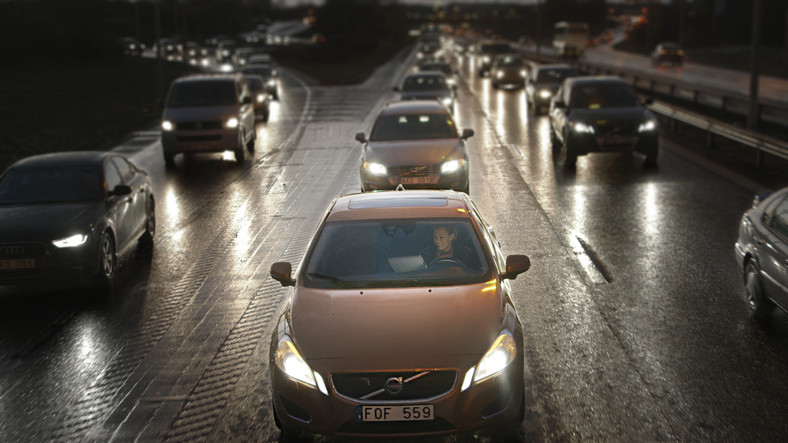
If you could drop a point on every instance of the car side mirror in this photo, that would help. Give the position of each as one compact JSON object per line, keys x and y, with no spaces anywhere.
{"x":281,"y":272}
{"x":467,"y":133}
{"x":516,"y":265}
{"x":361,"y":138}
{"x":120,"y":190}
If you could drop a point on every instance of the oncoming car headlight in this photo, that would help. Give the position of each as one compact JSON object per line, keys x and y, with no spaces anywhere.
{"x":447,"y":101}
{"x":167,"y":125}
{"x":583,"y":128}
{"x":500,"y":355}
{"x":71,"y":242}
{"x":289,"y":361}
{"x":545,"y":93}
{"x":231,"y":123}
{"x":375,"y":168}
{"x":260,"y":98}
{"x":499,"y":74}
{"x":451,"y":166}
{"x":647,"y":126}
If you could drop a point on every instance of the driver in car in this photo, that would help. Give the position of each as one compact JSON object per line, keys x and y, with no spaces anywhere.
{"x":444,"y":249}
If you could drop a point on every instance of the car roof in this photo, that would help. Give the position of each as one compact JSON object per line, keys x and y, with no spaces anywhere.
{"x":554,"y":66}
{"x":400,"y":204}
{"x":400,"y":107}
{"x":70,"y":158}
{"x":208,"y":77}
{"x":426,"y":74}
{"x":573,"y":81}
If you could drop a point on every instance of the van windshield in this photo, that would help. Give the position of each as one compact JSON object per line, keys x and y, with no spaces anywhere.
{"x":202,"y":93}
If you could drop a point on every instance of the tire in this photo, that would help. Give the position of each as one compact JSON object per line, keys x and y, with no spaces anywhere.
{"x":240,"y":152}
{"x":554,"y":142}
{"x":760,"y":305}
{"x":265,"y":116}
{"x":567,"y":156}
{"x":146,"y":241}
{"x":250,"y":143}
{"x":169,"y":160}
{"x":108,"y":261}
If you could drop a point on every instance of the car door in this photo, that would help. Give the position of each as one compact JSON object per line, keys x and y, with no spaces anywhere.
{"x":774,"y":259}
{"x":118,"y":206}
{"x":136,"y":181}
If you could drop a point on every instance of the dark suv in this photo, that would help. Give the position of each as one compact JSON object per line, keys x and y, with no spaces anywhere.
{"x":208,"y":113}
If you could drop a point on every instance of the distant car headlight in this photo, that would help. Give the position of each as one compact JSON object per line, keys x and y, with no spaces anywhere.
{"x":499,"y":74}
{"x":583,"y":128}
{"x":485,"y":59}
{"x":205,"y":62}
{"x":72,"y":241}
{"x":270,"y":83}
{"x":375,"y":168}
{"x":500,"y":355}
{"x":167,"y":125}
{"x":447,"y":101}
{"x":523,"y":74}
{"x":231,"y":123}
{"x":260,"y":98}
{"x":452,"y":166}
{"x":545,"y":93}
{"x":226,"y":67}
{"x":289,"y":361}
{"x":648,"y":126}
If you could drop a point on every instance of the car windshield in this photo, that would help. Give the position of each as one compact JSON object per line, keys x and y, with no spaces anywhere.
{"x":446,"y":69}
{"x":602,"y":95}
{"x":50,"y":185}
{"x":510,"y":62}
{"x":202,"y":93}
{"x":555,"y":75}
{"x":495,"y":48}
{"x":413,"y":127}
{"x":262,"y":71}
{"x":424,"y":83}
{"x":395,"y":253}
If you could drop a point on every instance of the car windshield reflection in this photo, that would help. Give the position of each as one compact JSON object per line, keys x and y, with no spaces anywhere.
{"x":50,"y":185}
{"x":413,"y":127}
{"x":603,"y":96}
{"x":396,"y":253}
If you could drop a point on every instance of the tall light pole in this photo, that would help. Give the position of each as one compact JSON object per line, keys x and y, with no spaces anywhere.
{"x":159,"y":52}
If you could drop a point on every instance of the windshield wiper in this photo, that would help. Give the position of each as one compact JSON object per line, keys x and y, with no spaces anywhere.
{"x":330,"y":278}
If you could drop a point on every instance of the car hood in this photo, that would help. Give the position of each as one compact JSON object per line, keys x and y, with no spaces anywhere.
{"x":628,"y":115}
{"x":200,"y":113}
{"x":411,"y":152}
{"x":403,"y":327}
{"x":46,"y":222}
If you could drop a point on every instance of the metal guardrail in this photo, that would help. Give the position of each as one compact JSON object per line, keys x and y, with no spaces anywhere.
{"x":768,"y":110}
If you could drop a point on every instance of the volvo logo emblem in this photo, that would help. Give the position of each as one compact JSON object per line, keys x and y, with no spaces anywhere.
{"x":12,"y":250}
{"x":394,"y":385}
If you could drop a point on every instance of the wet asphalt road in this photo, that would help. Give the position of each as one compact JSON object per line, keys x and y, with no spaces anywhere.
{"x":634,"y":321}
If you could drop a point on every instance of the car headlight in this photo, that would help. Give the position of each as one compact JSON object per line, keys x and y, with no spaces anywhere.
{"x":226,"y":67}
{"x":270,"y":83}
{"x":500,"y":355}
{"x":485,"y":59}
{"x":260,"y":98}
{"x":167,"y":125}
{"x":499,"y":74}
{"x":648,"y":126}
{"x":289,"y":361}
{"x":231,"y":123}
{"x":583,"y":128}
{"x":375,"y":168}
{"x":523,"y":74}
{"x":451,"y":166}
{"x":447,"y":101}
{"x":71,"y":242}
{"x":545,"y":93}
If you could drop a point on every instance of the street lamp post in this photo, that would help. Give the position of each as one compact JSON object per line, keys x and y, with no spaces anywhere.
{"x":752,"y":119}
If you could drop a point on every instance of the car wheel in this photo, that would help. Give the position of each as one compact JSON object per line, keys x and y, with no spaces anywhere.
{"x":265,"y":116}
{"x":568,"y":156}
{"x":554,"y":142}
{"x":250,"y":143}
{"x":759,"y":304}
{"x":240,"y":154}
{"x":169,"y":160}
{"x":146,"y":241}
{"x":108,"y":261}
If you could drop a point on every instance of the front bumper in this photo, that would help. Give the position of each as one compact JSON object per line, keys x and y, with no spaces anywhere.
{"x":583,"y":143}
{"x":490,"y":405}
{"x":215,"y":140}
{"x":40,"y":264}
{"x":457,"y":181}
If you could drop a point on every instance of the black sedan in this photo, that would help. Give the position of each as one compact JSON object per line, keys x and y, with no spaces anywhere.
{"x":67,"y":217}
{"x":762,"y":253}
{"x":601,"y":114}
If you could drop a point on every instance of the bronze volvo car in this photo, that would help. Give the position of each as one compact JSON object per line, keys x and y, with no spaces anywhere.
{"x":416,"y":144}
{"x":399,"y":323}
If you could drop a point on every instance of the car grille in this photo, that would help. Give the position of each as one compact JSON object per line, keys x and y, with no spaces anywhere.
{"x":415,"y":385}
{"x":414,"y":170}
{"x":198,"y":126}
{"x":12,"y":253}
{"x":613,"y":129}
{"x":22,"y":250}
{"x":199,"y":138}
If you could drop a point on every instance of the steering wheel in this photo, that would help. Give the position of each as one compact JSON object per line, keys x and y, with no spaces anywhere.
{"x":448,"y":261}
